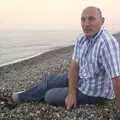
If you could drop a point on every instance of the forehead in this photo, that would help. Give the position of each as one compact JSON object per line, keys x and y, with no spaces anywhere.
{"x":90,"y":12}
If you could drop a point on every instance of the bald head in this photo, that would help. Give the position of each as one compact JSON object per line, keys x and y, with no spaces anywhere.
{"x":95,"y":9}
{"x":91,"y":20}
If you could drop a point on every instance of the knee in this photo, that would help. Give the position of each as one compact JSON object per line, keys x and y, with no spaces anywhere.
{"x":49,"y":97}
{"x":56,"y":96}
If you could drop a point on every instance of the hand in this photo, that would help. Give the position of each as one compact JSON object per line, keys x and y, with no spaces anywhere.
{"x":70,"y":101}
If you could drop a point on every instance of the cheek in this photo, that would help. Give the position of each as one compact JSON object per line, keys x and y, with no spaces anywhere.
{"x":82,"y":25}
{"x":96,"y":25}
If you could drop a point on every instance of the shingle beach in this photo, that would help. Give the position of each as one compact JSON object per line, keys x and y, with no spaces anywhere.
{"x":23,"y":75}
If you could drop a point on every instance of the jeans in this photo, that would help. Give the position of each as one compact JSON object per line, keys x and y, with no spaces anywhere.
{"x":53,"y":90}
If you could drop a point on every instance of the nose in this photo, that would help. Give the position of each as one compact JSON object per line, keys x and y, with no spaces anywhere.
{"x":86,"y":23}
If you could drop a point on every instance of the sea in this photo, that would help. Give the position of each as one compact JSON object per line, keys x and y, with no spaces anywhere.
{"x":18,"y":45}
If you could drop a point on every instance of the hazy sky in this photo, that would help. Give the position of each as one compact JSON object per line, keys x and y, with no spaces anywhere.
{"x":54,"y":14}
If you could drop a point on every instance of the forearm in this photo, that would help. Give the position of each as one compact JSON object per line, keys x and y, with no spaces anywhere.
{"x":116,"y":86}
{"x":72,"y":77}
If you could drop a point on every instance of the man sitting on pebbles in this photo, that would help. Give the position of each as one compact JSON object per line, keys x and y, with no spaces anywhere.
{"x":94,"y":71}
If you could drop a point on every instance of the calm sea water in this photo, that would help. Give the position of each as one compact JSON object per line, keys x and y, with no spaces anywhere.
{"x":19,"y":45}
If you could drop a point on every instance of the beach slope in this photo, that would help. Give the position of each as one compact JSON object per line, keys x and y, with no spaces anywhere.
{"x":25,"y":74}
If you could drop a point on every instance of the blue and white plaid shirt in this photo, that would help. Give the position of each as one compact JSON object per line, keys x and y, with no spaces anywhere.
{"x":99,"y":62}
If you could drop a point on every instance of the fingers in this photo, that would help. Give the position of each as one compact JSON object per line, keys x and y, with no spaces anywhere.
{"x":67,"y":106}
{"x":70,"y":103}
{"x":75,"y":105}
{"x":71,"y":106}
{"x":66,"y":103}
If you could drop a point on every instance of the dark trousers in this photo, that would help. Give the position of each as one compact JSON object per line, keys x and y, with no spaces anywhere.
{"x":53,"y":90}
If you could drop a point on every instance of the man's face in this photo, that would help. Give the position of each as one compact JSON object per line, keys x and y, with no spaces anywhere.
{"x":91,"y":21}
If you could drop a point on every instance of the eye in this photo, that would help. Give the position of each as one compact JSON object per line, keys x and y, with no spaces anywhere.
{"x":91,"y":18}
{"x":82,"y":19}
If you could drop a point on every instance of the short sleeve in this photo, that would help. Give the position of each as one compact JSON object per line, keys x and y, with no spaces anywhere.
{"x":76,"y":50}
{"x":111,"y":57}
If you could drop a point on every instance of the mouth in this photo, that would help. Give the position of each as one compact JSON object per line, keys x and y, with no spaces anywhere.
{"x":87,"y":30}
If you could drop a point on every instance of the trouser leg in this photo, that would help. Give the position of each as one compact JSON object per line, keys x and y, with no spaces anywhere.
{"x":84,"y":99}
{"x":56,"y":96}
{"x":37,"y":93}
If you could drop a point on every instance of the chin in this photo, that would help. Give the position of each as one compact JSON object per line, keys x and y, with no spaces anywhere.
{"x":88,"y":35}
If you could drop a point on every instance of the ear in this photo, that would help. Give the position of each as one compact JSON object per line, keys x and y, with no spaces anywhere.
{"x":103,"y":20}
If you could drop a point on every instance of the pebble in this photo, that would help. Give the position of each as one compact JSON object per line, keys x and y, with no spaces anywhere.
{"x":24,"y":75}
